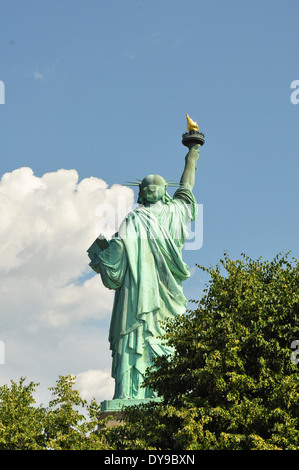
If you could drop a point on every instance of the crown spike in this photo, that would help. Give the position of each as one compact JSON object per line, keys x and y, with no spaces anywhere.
{"x":132,"y":183}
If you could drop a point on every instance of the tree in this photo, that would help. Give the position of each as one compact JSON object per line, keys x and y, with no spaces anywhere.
{"x":61,"y":426}
{"x":231,"y":383}
{"x":21,"y":423}
{"x":66,"y":427}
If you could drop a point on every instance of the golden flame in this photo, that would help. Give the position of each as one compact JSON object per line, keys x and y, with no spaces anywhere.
{"x":191,"y":125}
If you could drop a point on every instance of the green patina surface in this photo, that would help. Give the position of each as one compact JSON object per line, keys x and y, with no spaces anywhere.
{"x":143,"y":264}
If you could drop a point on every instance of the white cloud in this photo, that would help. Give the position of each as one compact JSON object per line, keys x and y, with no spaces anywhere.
{"x":37,"y":75}
{"x":45,"y":72}
{"x":95,"y":383}
{"x":54,"y":312}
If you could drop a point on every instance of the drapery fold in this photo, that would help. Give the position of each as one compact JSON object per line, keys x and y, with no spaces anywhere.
{"x":143,"y":264}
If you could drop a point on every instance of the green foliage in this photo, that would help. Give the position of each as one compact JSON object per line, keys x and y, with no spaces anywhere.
{"x":21,"y":424}
{"x":231,"y":383}
{"x":61,"y":426}
{"x":65,"y":427}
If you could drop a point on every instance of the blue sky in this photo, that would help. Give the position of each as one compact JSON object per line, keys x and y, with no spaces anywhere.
{"x":104,"y":87}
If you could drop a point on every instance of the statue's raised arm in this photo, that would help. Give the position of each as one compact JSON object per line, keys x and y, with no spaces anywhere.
{"x":188,"y":176}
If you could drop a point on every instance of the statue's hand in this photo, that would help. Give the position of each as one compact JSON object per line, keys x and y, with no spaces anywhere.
{"x":196,"y":147}
{"x":194,"y":151}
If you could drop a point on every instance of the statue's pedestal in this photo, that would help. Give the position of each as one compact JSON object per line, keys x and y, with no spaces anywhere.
{"x":118,"y":404}
{"x":113,"y":408}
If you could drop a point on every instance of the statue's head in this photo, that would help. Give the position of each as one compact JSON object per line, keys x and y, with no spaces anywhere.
{"x":152,"y":189}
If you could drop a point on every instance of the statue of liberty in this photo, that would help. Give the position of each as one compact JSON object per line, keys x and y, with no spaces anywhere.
{"x":143,"y":264}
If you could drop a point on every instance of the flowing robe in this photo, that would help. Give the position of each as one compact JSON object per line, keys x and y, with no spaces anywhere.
{"x":143,"y":264}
